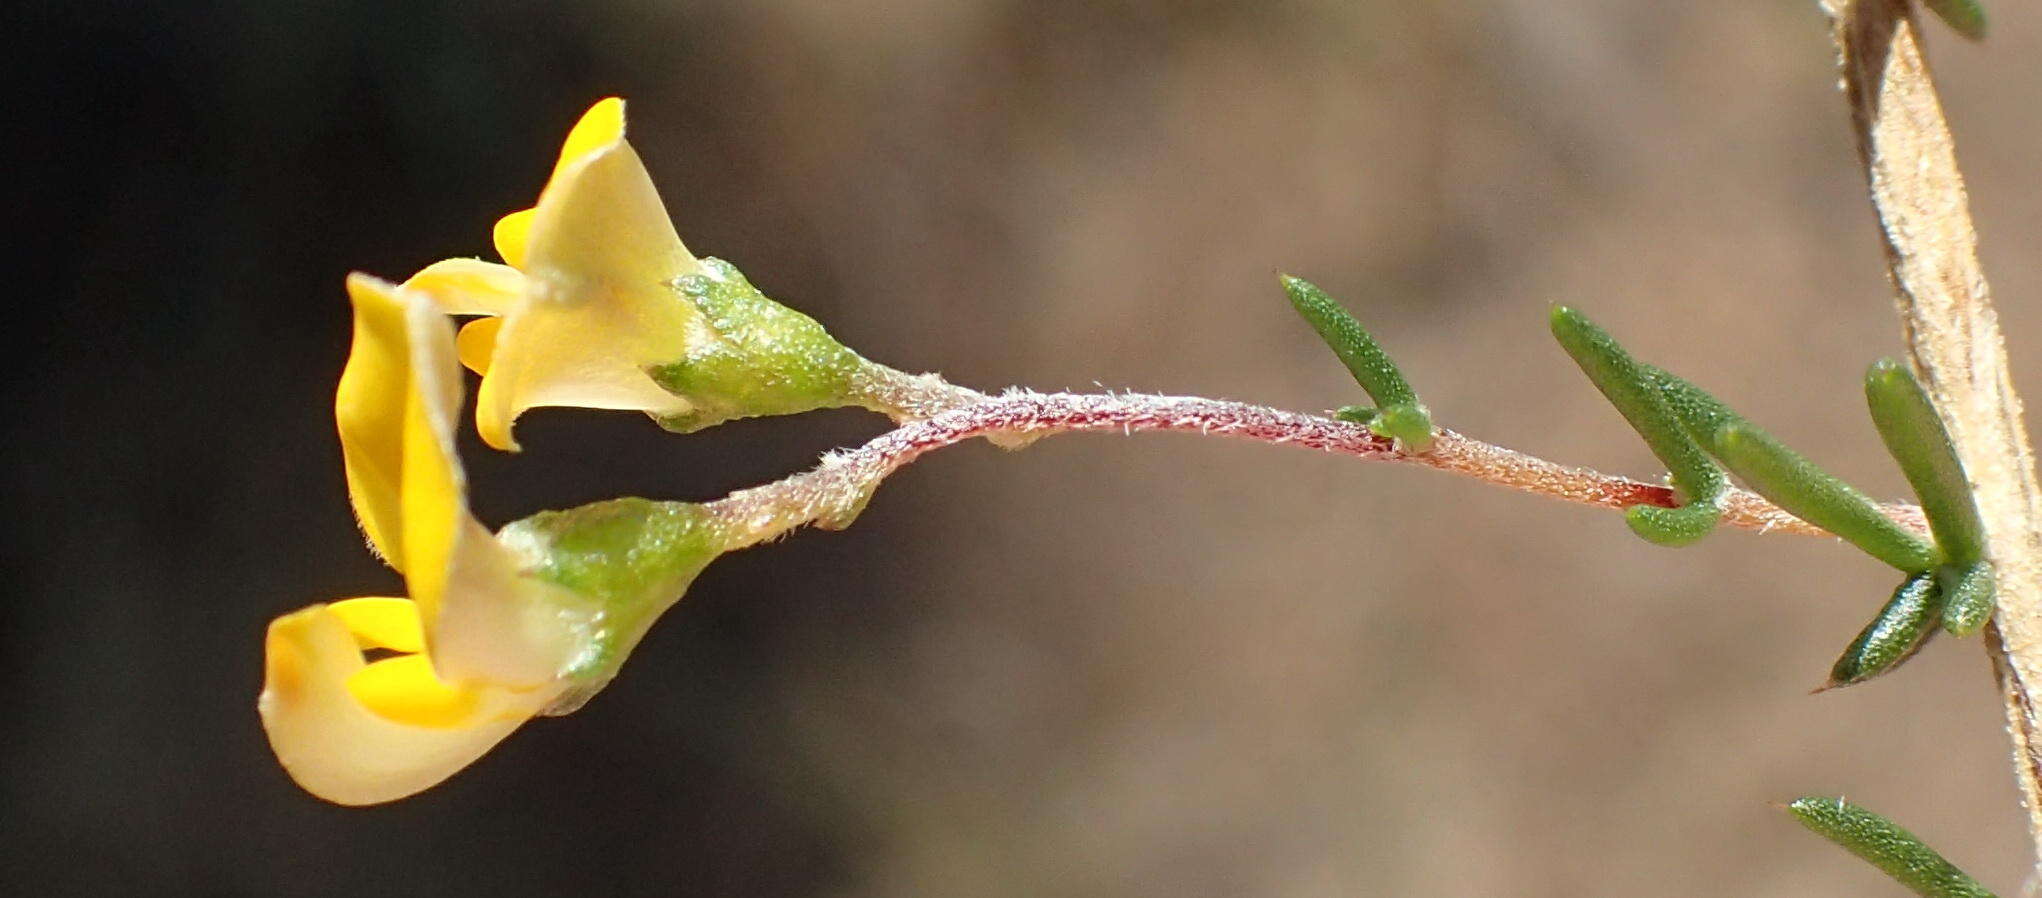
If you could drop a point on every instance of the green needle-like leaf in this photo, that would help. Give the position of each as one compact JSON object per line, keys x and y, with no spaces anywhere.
{"x":1637,"y":396}
{"x":1401,"y":416}
{"x":1967,"y":596}
{"x":1966,"y":16}
{"x":1813,"y":495}
{"x":1700,"y":412}
{"x":1886,"y":846}
{"x":1914,"y":434}
{"x":1907,"y":621}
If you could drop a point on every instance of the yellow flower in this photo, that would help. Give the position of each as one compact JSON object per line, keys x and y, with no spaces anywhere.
{"x":478,"y":648}
{"x":586,"y":303}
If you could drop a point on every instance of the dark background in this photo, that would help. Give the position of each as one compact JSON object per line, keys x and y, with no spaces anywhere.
{"x":1100,"y":667}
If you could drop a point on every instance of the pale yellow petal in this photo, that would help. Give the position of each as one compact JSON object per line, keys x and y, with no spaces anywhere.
{"x":382,"y":623}
{"x":469,"y":286}
{"x":405,"y":690}
{"x":341,"y":751}
{"x":511,"y":234}
{"x":582,"y":356}
{"x":369,"y":410}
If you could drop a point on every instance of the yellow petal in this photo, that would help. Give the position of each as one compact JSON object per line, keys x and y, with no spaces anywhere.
{"x":484,"y":619}
{"x":382,"y":623}
{"x":511,"y":234}
{"x":601,"y":257}
{"x":599,"y":127}
{"x":601,"y":219}
{"x":477,"y":343}
{"x":340,"y":750}
{"x":404,"y":689}
{"x":369,"y":410}
{"x":469,"y":286}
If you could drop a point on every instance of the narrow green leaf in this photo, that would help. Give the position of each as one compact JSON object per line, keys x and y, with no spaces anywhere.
{"x":1700,"y":412}
{"x":1637,"y":396}
{"x":1813,"y":495}
{"x":1886,"y":846}
{"x":1915,"y":436}
{"x":1966,"y":16}
{"x":1907,"y":621}
{"x":1968,"y":596}
{"x":1401,"y":416}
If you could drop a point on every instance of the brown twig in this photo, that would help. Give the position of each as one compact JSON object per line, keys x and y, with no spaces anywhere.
{"x":1953,"y":334}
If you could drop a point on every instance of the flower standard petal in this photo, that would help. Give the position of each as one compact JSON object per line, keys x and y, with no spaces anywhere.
{"x":599,"y":304}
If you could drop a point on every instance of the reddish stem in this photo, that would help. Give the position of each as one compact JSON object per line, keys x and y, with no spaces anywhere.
{"x":832,"y":493}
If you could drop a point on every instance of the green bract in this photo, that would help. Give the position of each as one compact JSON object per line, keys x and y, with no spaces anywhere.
{"x":767,"y":359}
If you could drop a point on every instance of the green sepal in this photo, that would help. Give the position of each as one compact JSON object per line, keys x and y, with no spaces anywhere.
{"x":1966,"y":17}
{"x":1968,"y":596}
{"x":1882,"y":842}
{"x":1807,"y":492}
{"x":1636,"y":393}
{"x":632,"y":558}
{"x":1915,"y":436}
{"x":763,"y":358}
{"x":1903,"y":625}
{"x":1401,"y":416}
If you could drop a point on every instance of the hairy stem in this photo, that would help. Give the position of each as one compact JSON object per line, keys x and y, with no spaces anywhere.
{"x":831,"y":494}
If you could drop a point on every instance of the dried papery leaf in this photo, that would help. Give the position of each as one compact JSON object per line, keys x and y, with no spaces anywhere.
{"x":1953,"y":334}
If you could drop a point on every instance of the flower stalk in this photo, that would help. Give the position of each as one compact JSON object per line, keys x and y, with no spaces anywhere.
{"x":833,"y":492}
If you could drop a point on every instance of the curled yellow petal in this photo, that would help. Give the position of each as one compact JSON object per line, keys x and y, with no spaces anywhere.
{"x":344,"y":752}
{"x":382,"y":623}
{"x":369,"y":410}
{"x":404,"y":689}
{"x":399,"y":402}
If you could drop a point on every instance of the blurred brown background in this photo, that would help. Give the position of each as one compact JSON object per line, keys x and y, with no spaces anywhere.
{"x":1100,"y":667}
